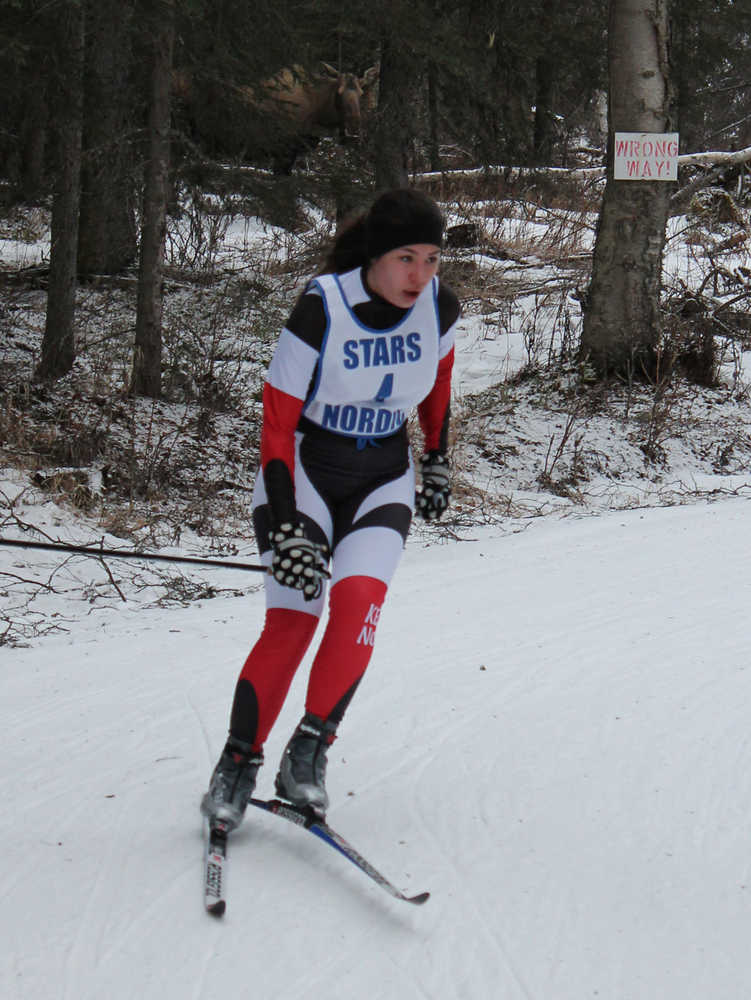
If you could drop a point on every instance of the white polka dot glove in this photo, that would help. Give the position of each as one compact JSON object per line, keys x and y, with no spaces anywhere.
{"x":433,"y":498}
{"x":298,"y":562}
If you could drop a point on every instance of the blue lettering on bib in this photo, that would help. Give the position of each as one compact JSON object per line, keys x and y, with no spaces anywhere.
{"x":373,"y":351}
{"x":361,"y":420}
{"x":413,"y":343}
{"x":350,"y":354}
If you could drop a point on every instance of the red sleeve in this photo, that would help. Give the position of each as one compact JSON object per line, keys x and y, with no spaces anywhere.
{"x":281,"y":413}
{"x":434,"y":410}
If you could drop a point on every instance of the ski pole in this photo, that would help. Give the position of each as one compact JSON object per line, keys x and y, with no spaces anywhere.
{"x":100,"y":553}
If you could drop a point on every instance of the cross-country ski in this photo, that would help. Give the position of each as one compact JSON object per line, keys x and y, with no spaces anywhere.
{"x":215,"y":860}
{"x":309,"y":821}
{"x":218,"y":839}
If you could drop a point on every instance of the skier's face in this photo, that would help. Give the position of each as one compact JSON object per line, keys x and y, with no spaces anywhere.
{"x":400,"y":275}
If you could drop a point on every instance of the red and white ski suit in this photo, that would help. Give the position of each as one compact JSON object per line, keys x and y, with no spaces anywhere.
{"x":348,"y":369}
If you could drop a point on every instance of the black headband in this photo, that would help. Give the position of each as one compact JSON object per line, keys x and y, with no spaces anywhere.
{"x":421,"y":224}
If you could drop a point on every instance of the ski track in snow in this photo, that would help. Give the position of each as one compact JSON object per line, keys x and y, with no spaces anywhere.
{"x":552,"y":738}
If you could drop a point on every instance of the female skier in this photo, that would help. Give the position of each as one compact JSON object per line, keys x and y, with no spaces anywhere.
{"x":371,"y":337}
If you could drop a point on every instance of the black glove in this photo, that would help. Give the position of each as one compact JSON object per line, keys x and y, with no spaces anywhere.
{"x":298,"y":562}
{"x":433,"y":499}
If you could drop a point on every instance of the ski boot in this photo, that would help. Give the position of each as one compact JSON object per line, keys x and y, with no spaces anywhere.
{"x":302,"y":772}
{"x":232,"y":784}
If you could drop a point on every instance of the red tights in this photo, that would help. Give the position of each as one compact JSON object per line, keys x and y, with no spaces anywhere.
{"x":342,"y":658}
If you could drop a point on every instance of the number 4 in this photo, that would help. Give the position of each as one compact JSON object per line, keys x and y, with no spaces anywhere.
{"x":387,"y":387}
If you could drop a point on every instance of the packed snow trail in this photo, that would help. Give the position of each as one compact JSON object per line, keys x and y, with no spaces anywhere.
{"x":552,"y":737}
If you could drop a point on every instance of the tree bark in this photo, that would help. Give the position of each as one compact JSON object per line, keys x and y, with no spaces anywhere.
{"x":622,"y":324}
{"x":545,"y":69}
{"x":147,"y":358}
{"x":434,"y":147}
{"x":397,"y":86}
{"x":107,"y":226}
{"x":58,"y":343}
{"x":33,"y":143}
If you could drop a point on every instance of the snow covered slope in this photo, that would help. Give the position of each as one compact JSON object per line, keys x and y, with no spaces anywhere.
{"x":552,"y":738}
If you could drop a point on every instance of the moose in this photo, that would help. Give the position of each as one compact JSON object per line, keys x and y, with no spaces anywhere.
{"x":279,"y":118}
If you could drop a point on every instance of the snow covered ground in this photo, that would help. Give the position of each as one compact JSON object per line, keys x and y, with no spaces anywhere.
{"x":552,"y":738}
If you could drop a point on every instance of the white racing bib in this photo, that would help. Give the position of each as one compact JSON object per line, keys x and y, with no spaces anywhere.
{"x":369,"y":380}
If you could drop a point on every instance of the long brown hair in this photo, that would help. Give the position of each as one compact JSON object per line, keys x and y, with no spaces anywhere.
{"x":349,"y":249}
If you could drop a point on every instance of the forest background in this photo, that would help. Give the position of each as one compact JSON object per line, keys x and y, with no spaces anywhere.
{"x":135,"y":332}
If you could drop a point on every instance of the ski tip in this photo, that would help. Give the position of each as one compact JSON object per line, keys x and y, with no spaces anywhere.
{"x":419,"y":899}
{"x":217,"y":909}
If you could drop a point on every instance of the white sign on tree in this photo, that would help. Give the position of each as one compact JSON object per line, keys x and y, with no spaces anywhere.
{"x":645,"y":156}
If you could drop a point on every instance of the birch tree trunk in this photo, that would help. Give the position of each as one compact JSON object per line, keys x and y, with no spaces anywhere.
{"x":58,"y":342}
{"x":621,"y":329}
{"x":147,"y":356}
